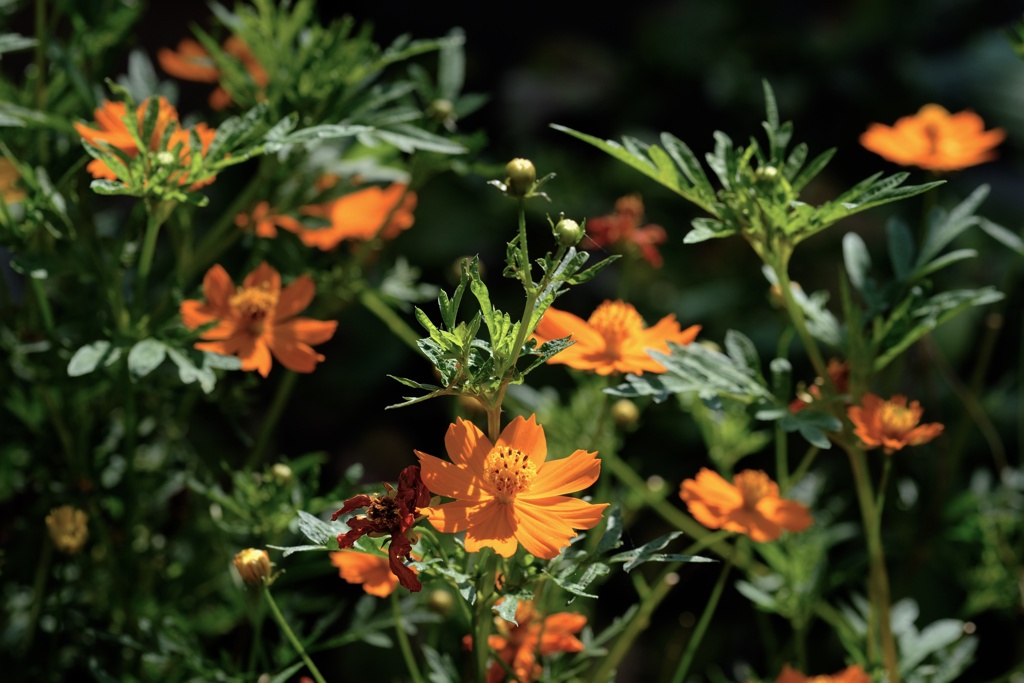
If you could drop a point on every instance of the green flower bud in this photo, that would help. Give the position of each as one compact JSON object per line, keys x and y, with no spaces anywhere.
{"x":520,"y":175}
{"x":282,"y":474}
{"x":568,"y":232}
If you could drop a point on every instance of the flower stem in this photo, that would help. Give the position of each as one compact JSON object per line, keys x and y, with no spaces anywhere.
{"x":387,"y":315}
{"x":284,"y":392}
{"x":291,"y":636}
{"x":44,"y":306}
{"x":796,"y":315}
{"x":702,"y":626}
{"x":801,"y":469}
{"x":482,"y":617}
{"x":157,"y":213}
{"x":403,"y":641}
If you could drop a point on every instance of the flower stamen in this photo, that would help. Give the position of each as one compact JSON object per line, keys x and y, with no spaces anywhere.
{"x":616,"y":321}
{"x":509,"y":471}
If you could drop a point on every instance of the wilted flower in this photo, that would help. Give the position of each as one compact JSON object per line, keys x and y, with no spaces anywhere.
{"x":68,"y":527}
{"x":253,"y":566}
{"x":891,"y":424}
{"x":934,"y":139}
{"x":622,"y":230}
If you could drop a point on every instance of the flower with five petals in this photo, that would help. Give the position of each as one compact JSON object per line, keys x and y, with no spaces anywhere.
{"x":891,"y":424}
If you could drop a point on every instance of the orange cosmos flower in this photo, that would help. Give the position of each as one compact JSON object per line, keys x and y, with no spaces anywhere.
{"x":622,"y":229}
{"x":360,"y":215}
{"x":934,"y":139}
{"x":891,"y":424}
{"x":509,"y":493}
{"x":265,"y":223}
{"x":613,"y":339}
{"x":372,"y":571}
{"x":191,"y":62}
{"x":750,"y":505}
{"x":258,"y":319}
{"x":519,"y":646}
{"x":852,"y":674}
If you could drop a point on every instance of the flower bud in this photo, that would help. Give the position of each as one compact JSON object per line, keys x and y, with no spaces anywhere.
{"x":625,"y":413}
{"x":520,"y":175}
{"x":441,"y":110}
{"x":440,"y":602}
{"x":253,"y":566}
{"x":282,"y":474}
{"x":68,"y":527}
{"x":568,"y":232}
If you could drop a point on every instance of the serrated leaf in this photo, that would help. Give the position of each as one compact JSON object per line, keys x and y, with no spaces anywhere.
{"x":943,"y":227}
{"x":315,"y":529}
{"x":292,"y":549}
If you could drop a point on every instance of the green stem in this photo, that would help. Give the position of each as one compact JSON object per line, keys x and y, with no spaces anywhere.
{"x":801,"y":469}
{"x":284,"y":392}
{"x":702,"y":626}
{"x":40,"y":65}
{"x":156,"y":214}
{"x":796,"y":315}
{"x":38,"y":589}
{"x":44,"y":306}
{"x":482,"y":617}
{"x":403,"y":640}
{"x":291,"y":636}
{"x":387,"y":315}
{"x":781,"y":457}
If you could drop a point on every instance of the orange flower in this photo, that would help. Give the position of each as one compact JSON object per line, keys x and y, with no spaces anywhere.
{"x":891,"y":424}
{"x":508,"y":493}
{"x":258,"y":319}
{"x":9,"y":178}
{"x":360,"y":215}
{"x":622,"y":229}
{"x":851,"y":674}
{"x":266,"y":223}
{"x":519,"y":646}
{"x":838,"y":373}
{"x":934,"y":139}
{"x":750,"y":505}
{"x":613,"y":339}
{"x":373,"y":571}
{"x":193,"y":63}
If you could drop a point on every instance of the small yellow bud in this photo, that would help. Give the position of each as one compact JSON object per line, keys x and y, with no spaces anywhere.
{"x":253,"y":566}
{"x":440,"y":602}
{"x":441,"y":110}
{"x":568,"y":232}
{"x":625,"y":413}
{"x":282,"y":474}
{"x":520,"y":176}
{"x":68,"y":527}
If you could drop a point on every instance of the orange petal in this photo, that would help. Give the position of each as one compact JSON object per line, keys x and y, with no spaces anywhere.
{"x":467,"y":446}
{"x":372,"y":571}
{"x":556,"y":324}
{"x":446,"y":479}
{"x":579,"y":514}
{"x":543,"y":535}
{"x":264,"y":273}
{"x":568,"y":475}
{"x":295,"y":298}
{"x":305,"y":331}
{"x":493,"y":527}
{"x":557,"y":635}
{"x":788,"y":514}
{"x":218,"y":287}
{"x":191,"y":62}
{"x":526,"y":436}
{"x":457,"y":515}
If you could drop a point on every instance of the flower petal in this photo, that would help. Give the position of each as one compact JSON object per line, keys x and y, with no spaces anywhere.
{"x":218,"y":288}
{"x":446,"y":479}
{"x":556,"y":324}
{"x":457,"y":515}
{"x":788,"y":514}
{"x":493,"y":526}
{"x":526,"y":436}
{"x":568,"y":475}
{"x":542,"y":534}
{"x":295,"y":298}
{"x":467,"y":446}
{"x":264,"y":273}
{"x":305,"y":331}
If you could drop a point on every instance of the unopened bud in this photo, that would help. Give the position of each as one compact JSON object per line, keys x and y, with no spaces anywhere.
{"x":520,"y":175}
{"x":441,"y":110}
{"x":568,"y":232}
{"x":282,"y":474}
{"x":440,"y":602}
{"x":253,"y":566}
{"x":625,"y":413}
{"x":68,"y":527}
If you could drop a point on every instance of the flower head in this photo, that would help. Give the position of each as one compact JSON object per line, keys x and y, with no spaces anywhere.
{"x":750,"y":505}
{"x":509,"y":493}
{"x":9,"y":178}
{"x":253,"y":566}
{"x":191,"y":62}
{"x":891,"y":424}
{"x":372,"y":571}
{"x":391,"y":515}
{"x":68,"y":527}
{"x":613,"y":339}
{"x":838,"y":374}
{"x":851,"y":674}
{"x":264,"y":222}
{"x":622,"y":230}
{"x":361,"y":215}
{"x":258,"y":320}
{"x":518,"y":646}
{"x":934,"y":139}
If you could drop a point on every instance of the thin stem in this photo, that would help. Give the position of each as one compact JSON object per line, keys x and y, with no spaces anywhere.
{"x":156,"y":214}
{"x":403,"y":640}
{"x":38,"y":589}
{"x":702,"y":626}
{"x":284,"y":392}
{"x":291,"y":636}
{"x":796,"y":315}
{"x":44,"y":306}
{"x":40,"y":65}
{"x":482,"y":614}
{"x":781,"y":457}
{"x":387,"y":315}
{"x":801,"y":469}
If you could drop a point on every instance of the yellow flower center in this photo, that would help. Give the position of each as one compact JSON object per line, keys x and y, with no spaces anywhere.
{"x":616,"y":321}
{"x":753,"y":485}
{"x":897,"y":420}
{"x":509,"y":471}
{"x":254,"y":304}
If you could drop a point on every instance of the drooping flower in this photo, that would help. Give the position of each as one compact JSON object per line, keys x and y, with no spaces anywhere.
{"x":113,"y":130}
{"x":509,"y":493}
{"x":191,"y":62}
{"x":392,"y":515}
{"x":253,"y":566}
{"x":622,"y":230}
{"x":519,"y":646}
{"x":361,"y":215}
{"x":265,"y":223}
{"x":934,"y":139}
{"x":891,"y":424}
{"x":613,"y":339}
{"x":69,"y":528}
{"x":851,"y":674}
{"x":373,"y":572}
{"x":9,"y":178}
{"x":258,"y":320}
{"x":838,"y":374}
{"x":750,"y":505}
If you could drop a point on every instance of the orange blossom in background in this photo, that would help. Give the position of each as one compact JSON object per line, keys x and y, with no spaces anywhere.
{"x":360,"y":215}
{"x":372,"y":571}
{"x":509,"y":493}
{"x":852,"y":674}
{"x":891,"y":424}
{"x":191,"y":62}
{"x":622,"y":229}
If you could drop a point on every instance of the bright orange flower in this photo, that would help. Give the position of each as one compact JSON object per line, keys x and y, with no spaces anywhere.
{"x":622,"y":229}
{"x":509,"y":493}
{"x":265,"y":223}
{"x":9,"y":178}
{"x":258,"y":319}
{"x":361,"y":215}
{"x":192,"y":62}
{"x":891,"y":424}
{"x":851,"y":674}
{"x":934,"y":139}
{"x":520,"y":645}
{"x":750,"y":505}
{"x":613,"y":339}
{"x":372,"y":571}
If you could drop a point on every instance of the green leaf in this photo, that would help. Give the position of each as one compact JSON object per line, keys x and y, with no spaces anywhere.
{"x":915,"y":647}
{"x":943,"y":228}
{"x":112,"y":187}
{"x":743,"y":353}
{"x":901,"y":247}
{"x":87,"y":358}
{"x":410,"y":138}
{"x":579,"y":587}
{"x":188,"y":372}
{"x":857,"y":260}
{"x":317,"y":530}
{"x":292,"y":549}
{"x":506,"y":609}
{"x":942,"y":262}
{"x":1001,"y":234}
{"x":145,"y":356}
{"x":649,"y":553}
